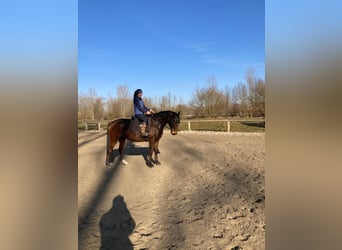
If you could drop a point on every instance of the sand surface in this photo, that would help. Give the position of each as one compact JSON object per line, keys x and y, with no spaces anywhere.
{"x":208,"y":193}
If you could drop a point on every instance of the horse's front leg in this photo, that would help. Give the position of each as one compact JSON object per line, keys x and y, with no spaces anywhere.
{"x":150,"y":152}
{"x":156,"y":151}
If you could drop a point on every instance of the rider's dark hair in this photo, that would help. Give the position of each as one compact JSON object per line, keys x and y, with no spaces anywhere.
{"x":138,"y":91}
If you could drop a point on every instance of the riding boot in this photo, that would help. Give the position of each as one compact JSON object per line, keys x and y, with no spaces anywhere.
{"x":143,"y":130}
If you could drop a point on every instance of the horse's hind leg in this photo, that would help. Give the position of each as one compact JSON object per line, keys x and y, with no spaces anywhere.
{"x":111,"y":141}
{"x":121,"y":150}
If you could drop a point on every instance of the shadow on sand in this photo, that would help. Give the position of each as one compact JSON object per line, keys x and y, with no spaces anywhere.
{"x":90,"y":138}
{"x":130,"y":149}
{"x":116,"y":225}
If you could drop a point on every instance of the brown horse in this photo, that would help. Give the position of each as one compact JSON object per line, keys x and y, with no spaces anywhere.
{"x":122,"y":129}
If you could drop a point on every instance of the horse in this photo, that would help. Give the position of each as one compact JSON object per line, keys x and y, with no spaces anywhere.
{"x":123,"y":128}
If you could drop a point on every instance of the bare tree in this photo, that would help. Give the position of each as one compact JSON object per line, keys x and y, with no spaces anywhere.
{"x":98,"y":108}
{"x":198,"y":103}
{"x":85,"y":108}
{"x":256,"y":93}
{"x":151,"y":103}
{"x":240,"y":98}
{"x":183,"y":108}
{"x":82,"y":107}
{"x":227,"y":101}
{"x":208,"y":101}
{"x":251,"y":82}
{"x":110,"y":108}
{"x":260,"y":98}
{"x":124,"y":100}
{"x":90,"y":106}
{"x":167,"y":102}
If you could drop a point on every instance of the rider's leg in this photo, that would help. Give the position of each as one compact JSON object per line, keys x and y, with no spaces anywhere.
{"x":143,"y":125}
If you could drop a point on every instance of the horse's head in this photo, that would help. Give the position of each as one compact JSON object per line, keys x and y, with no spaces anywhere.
{"x":173,"y":121}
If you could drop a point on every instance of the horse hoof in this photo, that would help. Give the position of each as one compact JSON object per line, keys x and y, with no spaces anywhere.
{"x":157,"y":162}
{"x":124,"y":162}
{"x":150,"y":164}
{"x":108,"y":164}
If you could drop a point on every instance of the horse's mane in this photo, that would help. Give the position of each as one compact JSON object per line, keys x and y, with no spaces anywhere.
{"x":165,"y":112}
{"x":161,"y":114}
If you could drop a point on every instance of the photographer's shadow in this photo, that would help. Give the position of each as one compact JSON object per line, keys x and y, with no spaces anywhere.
{"x":116,"y":225}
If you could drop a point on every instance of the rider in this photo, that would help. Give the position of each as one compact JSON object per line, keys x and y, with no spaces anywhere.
{"x":140,"y":111}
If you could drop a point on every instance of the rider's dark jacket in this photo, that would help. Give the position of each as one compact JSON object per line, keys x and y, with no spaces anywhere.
{"x":139,"y":106}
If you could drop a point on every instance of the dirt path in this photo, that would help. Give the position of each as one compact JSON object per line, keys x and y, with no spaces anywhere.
{"x":207,"y":194}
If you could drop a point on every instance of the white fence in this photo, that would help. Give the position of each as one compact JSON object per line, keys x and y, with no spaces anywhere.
{"x":188,"y":122}
{"x":87,"y":123}
{"x":227,"y":122}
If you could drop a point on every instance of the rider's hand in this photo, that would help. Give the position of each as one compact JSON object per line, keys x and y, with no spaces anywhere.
{"x":151,"y":111}
{"x":148,"y":113}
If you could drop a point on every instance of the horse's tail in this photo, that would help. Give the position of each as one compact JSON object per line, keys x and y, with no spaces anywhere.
{"x":108,"y":146}
{"x":107,"y":137}
{"x":110,"y":124}
{"x":110,"y":127}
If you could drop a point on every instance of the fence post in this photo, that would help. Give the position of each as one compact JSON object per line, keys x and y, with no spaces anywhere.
{"x":189,"y":127}
{"x":99,"y":126}
{"x":228,"y":126}
{"x":86,"y":125}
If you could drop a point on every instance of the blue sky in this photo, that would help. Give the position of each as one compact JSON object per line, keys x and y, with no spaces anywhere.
{"x":168,"y":46}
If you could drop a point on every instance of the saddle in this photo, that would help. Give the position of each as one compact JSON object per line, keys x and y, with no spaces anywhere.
{"x":134,"y":124}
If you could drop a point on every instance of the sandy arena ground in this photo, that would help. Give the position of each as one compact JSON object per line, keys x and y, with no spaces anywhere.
{"x":209,"y":193}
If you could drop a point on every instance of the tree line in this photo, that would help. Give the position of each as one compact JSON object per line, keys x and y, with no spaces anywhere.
{"x":244,"y":99}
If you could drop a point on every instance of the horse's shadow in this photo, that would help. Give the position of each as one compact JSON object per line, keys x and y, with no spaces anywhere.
{"x":130,"y":149}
